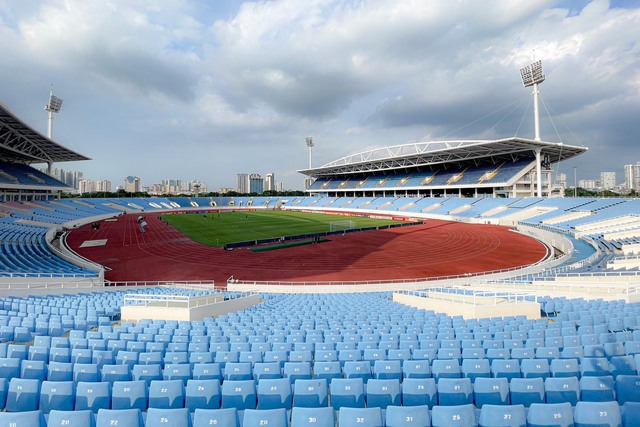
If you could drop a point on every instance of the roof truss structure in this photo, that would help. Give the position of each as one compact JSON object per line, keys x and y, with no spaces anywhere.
{"x":21,"y":143}
{"x":425,"y":154}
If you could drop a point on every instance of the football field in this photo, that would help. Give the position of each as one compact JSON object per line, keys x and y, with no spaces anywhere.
{"x":218,"y":229}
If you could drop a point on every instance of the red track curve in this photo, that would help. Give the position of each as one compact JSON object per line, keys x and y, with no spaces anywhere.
{"x":436,"y":248}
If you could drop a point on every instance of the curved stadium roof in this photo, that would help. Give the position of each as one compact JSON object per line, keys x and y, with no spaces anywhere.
{"x":21,"y":143}
{"x":439,"y":152}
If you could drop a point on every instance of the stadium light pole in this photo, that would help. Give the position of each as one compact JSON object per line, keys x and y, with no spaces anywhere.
{"x":575,"y":181}
{"x":53,"y":106}
{"x":533,"y":75}
{"x":309,"y":141}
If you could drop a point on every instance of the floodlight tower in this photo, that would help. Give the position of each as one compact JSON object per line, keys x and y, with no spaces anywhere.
{"x":53,"y":106}
{"x":532,"y":75}
{"x":309,"y":141}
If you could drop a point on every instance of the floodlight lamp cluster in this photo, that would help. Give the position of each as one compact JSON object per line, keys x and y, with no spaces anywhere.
{"x":309,"y":141}
{"x":54,"y":104}
{"x":532,"y":74}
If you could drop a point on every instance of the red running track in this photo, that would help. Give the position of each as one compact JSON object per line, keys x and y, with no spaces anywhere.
{"x":435,"y":248}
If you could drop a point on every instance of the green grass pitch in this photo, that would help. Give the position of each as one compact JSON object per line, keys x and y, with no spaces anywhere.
{"x":221,"y":228}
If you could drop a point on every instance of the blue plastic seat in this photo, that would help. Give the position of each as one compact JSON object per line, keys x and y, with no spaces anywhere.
{"x":454,"y":416}
{"x":203,"y":394}
{"x":550,"y":415}
{"x":274,"y":393}
{"x":597,"y":389}
{"x":239,"y":371}
{"x":627,"y":388}
{"x":57,"y":395}
{"x":146,"y":373}
{"x":181,"y":371}
{"x":597,"y":414}
{"x":594,"y":366}
{"x":33,"y":369}
{"x":387,"y":369}
{"x":265,"y":417}
{"x":622,"y":365}
{"x":407,"y":416}
{"x":493,"y":391}
{"x":416,"y":369}
{"x":86,"y":372}
{"x":39,"y":353}
{"x":227,"y":417}
{"x":562,"y":389}
{"x":250,"y":356}
{"x":630,"y":413}
{"x":564,"y":368}
{"x":58,"y":418}
{"x":239,"y":394}
{"x":60,"y":371}
{"x":161,"y":417}
{"x":93,"y":396}
{"x":327,"y":370}
{"x":263,"y":370}
{"x":58,"y":354}
{"x":526,"y":391}
{"x":129,"y":395}
{"x":455,"y":391}
{"x":207,"y":371}
{"x":166,"y":394}
{"x":355,"y":417}
{"x":312,"y":416}
{"x":311,"y":393}
{"x":419,"y":391}
{"x":347,"y":392}
{"x":475,"y":368}
{"x":119,"y":417}
{"x":111,"y":373}
{"x":150,"y":358}
{"x":357,"y":369}
{"x":505,"y":368}
{"x":23,"y":419}
{"x":9,"y":368}
{"x":297,"y":370}
{"x":502,"y":416}
{"x":23,"y":395}
{"x":534,"y":368}
{"x":448,"y":368}
{"x":383,"y":392}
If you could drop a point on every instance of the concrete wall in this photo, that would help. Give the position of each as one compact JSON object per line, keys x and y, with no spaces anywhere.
{"x":181,"y":311}
{"x":459,"y":307}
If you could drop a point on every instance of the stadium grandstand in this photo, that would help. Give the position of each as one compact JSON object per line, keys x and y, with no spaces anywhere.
{"x":555,"y":339}
{"x":492,"y":168}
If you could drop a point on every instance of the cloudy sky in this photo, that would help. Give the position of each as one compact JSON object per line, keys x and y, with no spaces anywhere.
{"x":203,"y":89}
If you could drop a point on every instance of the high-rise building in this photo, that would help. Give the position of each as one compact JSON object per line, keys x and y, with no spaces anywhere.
{"x":607,"y":180}
{"x":270,"y":182}
{"x":243,"y":183}
{"x":132,"y":184}
{"x":103,"y":185}
{"x":587,"y":184}
{"x":632,"y":176}
{"x":86,"y":186}
{"x":256,"y":183}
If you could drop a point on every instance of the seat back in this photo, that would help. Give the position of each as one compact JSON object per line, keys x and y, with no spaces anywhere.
{"x":203,"y":394}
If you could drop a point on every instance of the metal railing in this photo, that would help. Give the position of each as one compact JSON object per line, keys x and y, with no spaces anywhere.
{"x":181,"y":301}
{"x":474,"y":297}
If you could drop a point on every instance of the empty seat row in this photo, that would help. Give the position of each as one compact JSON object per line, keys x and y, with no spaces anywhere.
{"x":21,"y":395}
{"x":585,"y":414}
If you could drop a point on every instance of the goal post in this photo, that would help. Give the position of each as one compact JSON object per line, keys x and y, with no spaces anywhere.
{"x":341,"y":225}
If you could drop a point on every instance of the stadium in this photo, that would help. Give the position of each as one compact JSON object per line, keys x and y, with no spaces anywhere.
{"x":437,"y":283}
